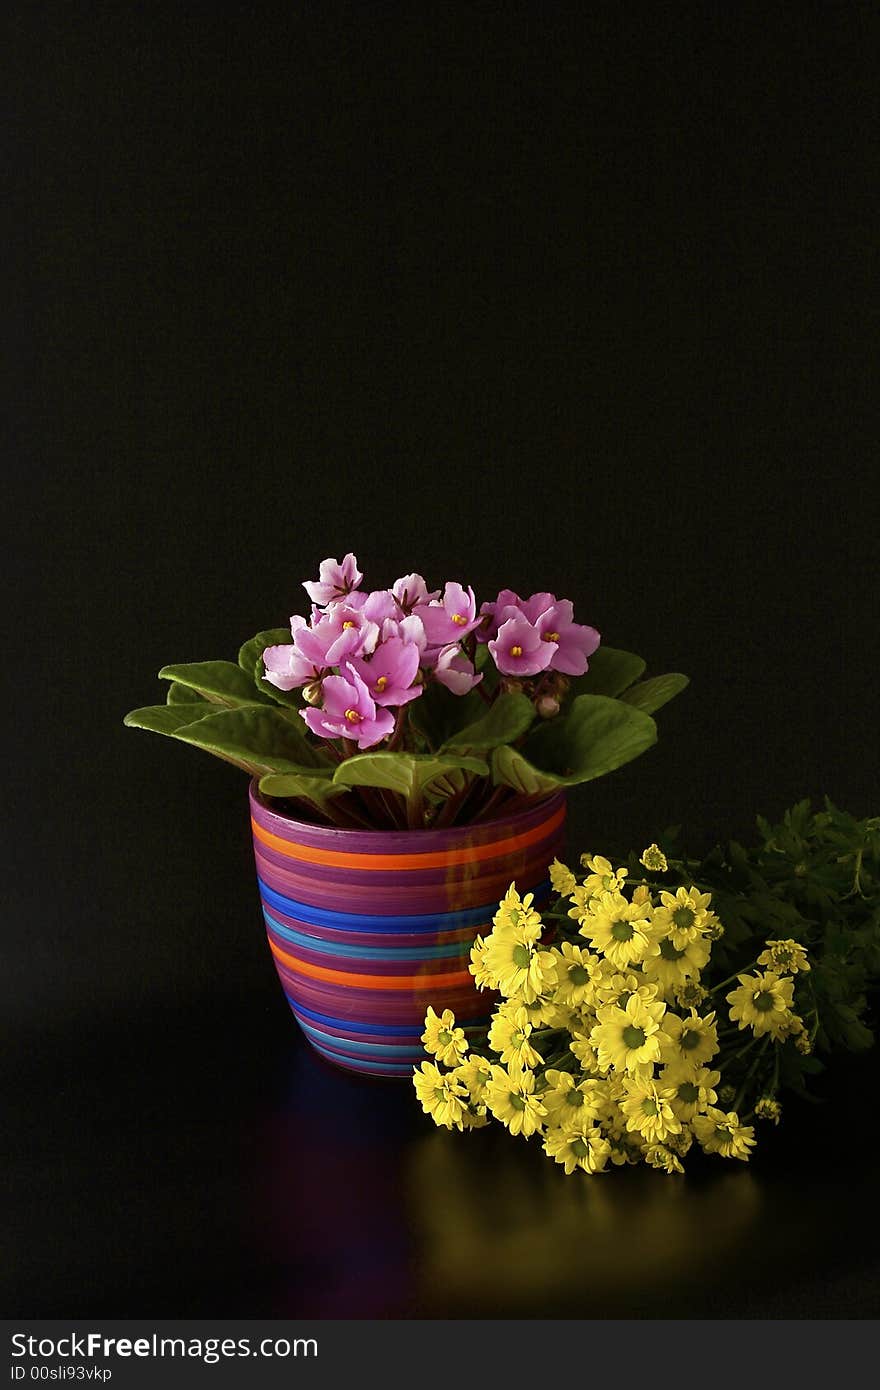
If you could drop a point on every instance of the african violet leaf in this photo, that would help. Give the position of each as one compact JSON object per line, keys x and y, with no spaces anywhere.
{"x":653,"y":694}
{"x":438,"y":715}
{"x":610,"y":671}
{"x":402,"y":772}
{"x":168,"y":719}
{"x":596,"y":736}
{"x":185,"y":695}
{"x":306,"y":784}
{"x":257,"y":738}
{"x":221,"y":682}
{"x":503,"y":722}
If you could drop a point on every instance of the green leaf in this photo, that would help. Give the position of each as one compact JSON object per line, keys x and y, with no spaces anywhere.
{"x":306,"y":784}
{"x":402,"y":772}
{"x":185,"y":695}
{"x":219,"y":681}
{"x":610,"y":671}
{"x":653,"y":694}
{"x":438,"y":715}
{"x":168,"y":719}
{"x":256,"y":738}
{"x":596,"y":736}
{"x":250,"y":659}
{"x":503,"y":722}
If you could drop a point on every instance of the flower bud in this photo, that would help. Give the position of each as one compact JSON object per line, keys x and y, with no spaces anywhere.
{"x":312,"y":693}
{"x":548,"y":706}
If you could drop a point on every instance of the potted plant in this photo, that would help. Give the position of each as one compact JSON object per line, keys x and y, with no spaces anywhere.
{"x":409,"y":756}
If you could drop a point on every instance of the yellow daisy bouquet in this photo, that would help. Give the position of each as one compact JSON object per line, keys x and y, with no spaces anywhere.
{"x":615,"y":1041}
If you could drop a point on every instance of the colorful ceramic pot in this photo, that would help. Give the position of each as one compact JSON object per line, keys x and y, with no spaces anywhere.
{"x":368,"y":928}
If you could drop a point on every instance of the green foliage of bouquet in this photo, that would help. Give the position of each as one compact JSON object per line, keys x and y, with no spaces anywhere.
{"x":410,"y":707}
{"x":623,"y":1035}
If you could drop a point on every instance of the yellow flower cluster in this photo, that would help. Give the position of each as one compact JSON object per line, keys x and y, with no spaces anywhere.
{"x":604,"y":1039}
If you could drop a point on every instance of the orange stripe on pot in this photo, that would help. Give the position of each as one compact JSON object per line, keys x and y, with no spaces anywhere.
{"x":424,"y":860}
{"x":425,"y":981}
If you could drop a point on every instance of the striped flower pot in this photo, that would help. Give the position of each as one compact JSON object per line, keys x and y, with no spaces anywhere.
{"x":367,"y":928}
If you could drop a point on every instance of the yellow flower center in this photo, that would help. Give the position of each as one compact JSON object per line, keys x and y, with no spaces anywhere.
{"x":622,"y":930}
{"x":688,"y":1092}
{"x":579,"y":1148}
{"x":578,"y":975}
{"x":352,"y":716}
{"x":516,"y":651}
{"x":381,"y":683}
{"x":683,"y":917}
{"x":460,"y":619}
{"x":690,"y":1039}
{"x":649,"y":1107}
{"x":517,"y":1101}
{"x":347,"y":623}
{"x":573,"y":1097}
{"x":551,"y":636}
{"x":521,"y":956}
{"x":763,"y":1001}
{"x":633,"y":1037}
{"x":444,"y":1037}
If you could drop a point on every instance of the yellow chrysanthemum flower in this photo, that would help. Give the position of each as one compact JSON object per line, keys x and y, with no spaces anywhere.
{"x":692,"y":1039}
{"x":442,"y":1039}
{"x":768,"y":1109}
{"x":583,"y":1049}
{"x":475,"y":1074}
{"x":483,"y":976}
{"x":583,"y":1148}
{"x":693,"y":1090}
{"x":674,"y":965}
{"x":628,"y":1039}
{"x":441,"y":1094}
{"x":690,"y":994}
{"x":562,"y":879}
{"x":612,"y":987}
{"x":603,"y":877}
{"x":662,"y":1158}
{"x":512,"y":1100}
{"x":509,"y":1034}
{"x":567,"y":1099}
{"x":785,"y":957}
{"x":519,"y":965}
{"x":576,"y":972}
{"x":648,"y":1109}
{"x":544,"y":1012}
{"x":517,"y":913}
{"x":654,"y":860}
{"x":762,"y":1003}
{"x":723,"y":1134}
{"x":621,"y":930}
{"x":683,"y":915}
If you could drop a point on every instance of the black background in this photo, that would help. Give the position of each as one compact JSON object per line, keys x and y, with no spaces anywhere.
{"x":534,"y":296}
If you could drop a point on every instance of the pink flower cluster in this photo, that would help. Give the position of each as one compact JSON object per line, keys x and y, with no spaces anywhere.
{"x":362,"y":655}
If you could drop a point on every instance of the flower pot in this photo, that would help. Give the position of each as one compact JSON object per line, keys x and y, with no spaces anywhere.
{"x":367,"y":928}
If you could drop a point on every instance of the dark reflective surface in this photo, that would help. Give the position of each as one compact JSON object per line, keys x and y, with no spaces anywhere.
{"x":206,"y":1162}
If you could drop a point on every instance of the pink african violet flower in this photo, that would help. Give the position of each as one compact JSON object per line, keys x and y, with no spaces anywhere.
{"x":574,"y":642}
{"x":455,"y":670}
{"x":335,"y":582}
{"x":389,"y":673}
{"x":410,"y":629}
{"x":339,"y":632}
{"x":411,"y":590}
{"x":349,"y":711}
{"x":450,"y":618}
{"x":519,"y":649}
